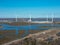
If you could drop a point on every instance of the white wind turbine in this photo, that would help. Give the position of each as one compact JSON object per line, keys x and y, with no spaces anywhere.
{"x":47,"y":18}
{"x":16,"y":18}
{"x":52,"y":18}
{"x":30,"y":19}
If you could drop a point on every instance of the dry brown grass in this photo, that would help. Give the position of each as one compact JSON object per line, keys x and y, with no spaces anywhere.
{"x":9,"y":35}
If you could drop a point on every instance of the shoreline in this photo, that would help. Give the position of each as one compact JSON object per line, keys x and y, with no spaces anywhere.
{"x":27,"y":23}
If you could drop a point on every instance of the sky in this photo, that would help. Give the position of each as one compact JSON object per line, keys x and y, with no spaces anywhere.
{"x":27,"y":8}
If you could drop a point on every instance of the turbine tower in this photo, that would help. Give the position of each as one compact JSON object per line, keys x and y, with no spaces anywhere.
{"x":47,"y":18}
{"x":52,"y":18}
{"x":29,"y":19}
{"x":16,"y":18}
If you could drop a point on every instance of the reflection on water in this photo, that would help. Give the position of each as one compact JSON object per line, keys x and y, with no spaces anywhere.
{"x":9,"y":32}
{"x":28,"y":27}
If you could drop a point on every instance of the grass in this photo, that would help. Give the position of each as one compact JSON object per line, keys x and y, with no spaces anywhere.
{"x":9,"y":35}
{"x":17,"y":23}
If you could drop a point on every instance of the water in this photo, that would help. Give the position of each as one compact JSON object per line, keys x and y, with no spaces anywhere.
{"x":24,"y":27}
{"x":13,"y":36}
{"x":28,"y":27}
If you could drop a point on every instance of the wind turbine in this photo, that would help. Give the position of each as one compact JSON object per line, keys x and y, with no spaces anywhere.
{"x":16,"y":18}
{"x":52,"y":18}
{"x":47,"y":18}
{"x":16,"y":27}
{"x":30,"y":19}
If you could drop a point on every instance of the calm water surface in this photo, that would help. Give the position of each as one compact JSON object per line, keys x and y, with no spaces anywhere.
{"x":29,"y":27}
